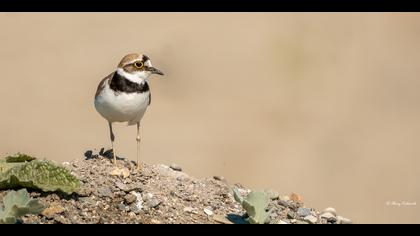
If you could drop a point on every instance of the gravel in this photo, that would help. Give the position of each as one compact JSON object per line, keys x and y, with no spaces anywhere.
{"x":159,"y":194}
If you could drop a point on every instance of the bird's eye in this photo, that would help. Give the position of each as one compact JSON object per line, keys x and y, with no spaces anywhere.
{"x":138,"y":64}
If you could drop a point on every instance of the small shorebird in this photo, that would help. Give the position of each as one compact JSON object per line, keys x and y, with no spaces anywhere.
{"x":124,"y":95}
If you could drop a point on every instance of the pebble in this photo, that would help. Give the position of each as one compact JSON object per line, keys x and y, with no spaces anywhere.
{"x":342,"y":220}
{"x":303,"y":212}
{"x":311,"y":219}
{"x":104,"y":192}
{"x":272,"y":194}
{"x":296,"y":198}
{"x":135,"y":208}
{"x":291,"y":214}
{"x":283,"y":203}
{"x":219,"y":178}
{"x":188,"y":209}
{"x":221,"y":219}
{"x":208,"y":212}
{"x":330,"y":210}
{"x":130,"y":198}
{"x":84,"y":192}
{"x":121,"y":207}
{"x":130,"y":187}
{"x":53,"y":210}
{"x":124,"y":172}
{"x":281,"y":222}
{"x":175,"y":167}
{"x":152,"y":203}
{"x":329,"y":216}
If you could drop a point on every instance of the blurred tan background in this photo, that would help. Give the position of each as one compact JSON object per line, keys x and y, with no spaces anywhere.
{"x":324,"y":105}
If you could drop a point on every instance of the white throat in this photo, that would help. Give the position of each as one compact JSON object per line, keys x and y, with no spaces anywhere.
{"x":138,"y":77}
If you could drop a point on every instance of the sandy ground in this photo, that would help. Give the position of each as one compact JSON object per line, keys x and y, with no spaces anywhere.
{"x":326,"y":105}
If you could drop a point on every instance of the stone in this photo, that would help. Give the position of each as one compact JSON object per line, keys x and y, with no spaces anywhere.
{"x":219,"y":178}
{"x":175,"y":167}
{"x":328,"y":216}
{"x":208,"y":212}
{"x":281,"y":222}
{"x":104,"y":192}
{"x":296,"y":198}
{"x":283,"y":203}
{"x":221,"y":219}
{"x":135,"y":208}
{"x":123,"y":172}
{"x":330,"y":210}
{"x":342,"y":220}
{"x":272,"y":194}
{"x":291,"y":214}
{"x":130,"y":198}
{"x":121,"y":207}
{"x":52,"y":211}
{"x":137,"y":186}
{"x":311,"y":219}
{"x":303,"y":212}
{"x":188,"y":209}
{"x":84,"y":192}
{"x":152,"y":203}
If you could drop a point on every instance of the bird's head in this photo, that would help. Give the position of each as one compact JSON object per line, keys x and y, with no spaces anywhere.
{"x":137,"y":68}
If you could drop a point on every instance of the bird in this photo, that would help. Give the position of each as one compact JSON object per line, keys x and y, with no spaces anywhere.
{"x":124,"y":95}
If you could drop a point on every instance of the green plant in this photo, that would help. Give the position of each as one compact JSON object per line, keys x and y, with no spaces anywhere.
{"x":18,"y":204}
{"x":24,"y":172}
{"x":255,"y":205}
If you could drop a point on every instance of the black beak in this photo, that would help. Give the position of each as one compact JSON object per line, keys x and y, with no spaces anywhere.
{"x":155,"y":71}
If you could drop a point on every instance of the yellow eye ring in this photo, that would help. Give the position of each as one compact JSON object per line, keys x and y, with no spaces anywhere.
{"x":138,"y":64}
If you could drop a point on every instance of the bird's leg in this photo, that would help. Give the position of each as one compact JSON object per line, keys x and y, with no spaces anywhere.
{"x":138,"y":145}
{"x":112,"y":143}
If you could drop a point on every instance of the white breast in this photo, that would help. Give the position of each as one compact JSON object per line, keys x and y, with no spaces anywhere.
{"x":121,"y":107}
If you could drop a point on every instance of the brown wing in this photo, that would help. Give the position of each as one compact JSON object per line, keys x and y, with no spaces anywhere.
{"x":102,"y":84}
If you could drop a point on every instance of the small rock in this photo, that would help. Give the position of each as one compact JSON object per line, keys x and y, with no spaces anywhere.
{"x":84,"y":192}
{"x":328,"y":216}
{"x":152,"y":203}
{"x":135,"y":208}
{"x":86,"y":200}
{"x":154,"y":221}
{"x":342,"y":220}
{"x":132,"y":214}
{"x":221,"y":219}
{"x":284,"y":198}
{"x":293,"y":221}
{"x":121,"y":207}
{"x":124,"y":172}
{"x":208,"y":212}
{"x":330,"y":210}
{"x":53,"y":210}
{"x":130,"y":198}
{"x":219,"y":178}
{"x":175,"y":167}
{"x":296,"y":198}
{"x":283,"y":203}
{"x":104,"y":192}
{"x":303,"y":212}
{"x":281,"y":222}
{"x":188,"y":209}
{"x":311,"y":219}
{"x":272,"y":194}
{"x":299,"y":222}
{"x":137,"y":186}
{"x":291,"y":215}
